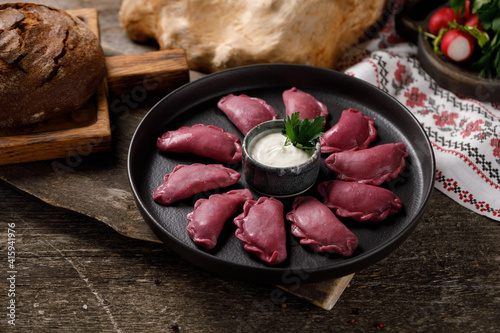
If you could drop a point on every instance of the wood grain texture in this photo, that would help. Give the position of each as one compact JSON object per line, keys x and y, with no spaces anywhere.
{"x":51,"y":141}
{"x":159,"y":71}
{"x":77,"y":274}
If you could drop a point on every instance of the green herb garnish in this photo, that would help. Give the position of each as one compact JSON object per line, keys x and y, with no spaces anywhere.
{"x":488,"y":11}
{"x":303,"y":133}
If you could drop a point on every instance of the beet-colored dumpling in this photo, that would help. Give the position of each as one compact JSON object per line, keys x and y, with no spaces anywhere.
{"x":209,"y":215}
{"x":370,"y":166}
{"x":246,"y":112}
{"x":305,"y":104}
{"x":207,"y":141}
{"x":317,"y":226}
{"x":361,"y":202}
{"x":261,"y":227}
{"x":187,"y":180}
{"x":353,"y":131}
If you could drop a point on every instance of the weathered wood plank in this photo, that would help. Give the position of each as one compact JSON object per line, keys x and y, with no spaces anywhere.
{"x":78,"y":274}
{"x":162,"y":71}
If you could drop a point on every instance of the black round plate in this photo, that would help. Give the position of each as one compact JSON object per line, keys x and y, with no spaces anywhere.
{"x":196,"y":103}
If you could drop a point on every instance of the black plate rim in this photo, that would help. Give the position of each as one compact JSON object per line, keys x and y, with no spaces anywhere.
{"x":348,"y":266}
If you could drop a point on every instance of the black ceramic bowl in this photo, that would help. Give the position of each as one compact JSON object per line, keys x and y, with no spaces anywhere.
{"x":278,"y":182}
{"x":196,"y":103}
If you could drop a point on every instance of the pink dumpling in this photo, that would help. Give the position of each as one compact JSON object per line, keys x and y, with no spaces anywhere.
{"x":361,"y":202}
{"x":246,"y":112}
{"x":187,"y":180}
{"x":207,"y":141}
{"x":370,"y":166}
{"x":353,"y":131}
{"x":308,"y":106}
{"x":317,"y":226}
{"x":261,"y":227}
{"x":209,"y":215}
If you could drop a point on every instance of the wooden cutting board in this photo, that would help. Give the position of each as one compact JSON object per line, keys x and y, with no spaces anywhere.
{"x":87,"y":130}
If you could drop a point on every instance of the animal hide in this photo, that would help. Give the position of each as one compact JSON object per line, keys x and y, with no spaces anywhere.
{"x":221,"y":34}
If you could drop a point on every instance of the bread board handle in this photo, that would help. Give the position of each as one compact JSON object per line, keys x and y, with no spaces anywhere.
{"x":161,"y":71}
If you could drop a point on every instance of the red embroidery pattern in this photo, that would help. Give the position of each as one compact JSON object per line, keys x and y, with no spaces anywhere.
{"x":398,"y":75}
{"x":388,"y":35}
{"x":450,"y":185}
{"x":469,"y":163}
{"x":471,"y":127}
{"x":375,"y":67}
{"x":446,"y":118}
{"x":495,"y":143}
{"x":415,"y":98}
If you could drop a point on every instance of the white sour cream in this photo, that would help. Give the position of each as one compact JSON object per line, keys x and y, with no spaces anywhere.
{"x":269,"y":149}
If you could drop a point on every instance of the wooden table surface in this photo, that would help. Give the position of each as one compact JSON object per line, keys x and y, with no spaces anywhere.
{"x":76,"y":274}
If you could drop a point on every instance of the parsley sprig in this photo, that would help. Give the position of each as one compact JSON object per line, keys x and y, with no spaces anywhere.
{"x":303,"y":133}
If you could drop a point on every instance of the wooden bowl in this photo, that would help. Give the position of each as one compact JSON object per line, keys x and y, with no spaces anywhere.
{"x":458,"y":78}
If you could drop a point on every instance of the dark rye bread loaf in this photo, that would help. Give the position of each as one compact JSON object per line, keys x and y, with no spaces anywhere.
{"x":50,"y":63}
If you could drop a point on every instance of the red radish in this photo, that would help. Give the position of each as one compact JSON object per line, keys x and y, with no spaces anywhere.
{"x":473,"y":21}
{"x":439,"y":20}
{"x":457,"y":45}
{"x":467,"y":13}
